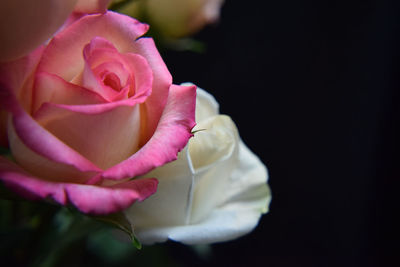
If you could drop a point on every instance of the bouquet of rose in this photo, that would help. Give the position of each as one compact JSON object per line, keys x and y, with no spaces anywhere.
{"x":91,"y":120}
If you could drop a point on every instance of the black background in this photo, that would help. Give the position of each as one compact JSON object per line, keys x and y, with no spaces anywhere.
{"x":313,"y":89}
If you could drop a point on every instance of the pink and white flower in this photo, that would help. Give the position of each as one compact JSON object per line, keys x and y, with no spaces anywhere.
{"x":91,"y":110}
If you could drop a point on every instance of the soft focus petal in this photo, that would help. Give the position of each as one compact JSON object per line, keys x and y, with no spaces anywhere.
{"x":172,"y":134}
{"x":26,"y":24}
{"x":92,"y":6}
{"x":87,"y":198}
{"x":175,"y":18}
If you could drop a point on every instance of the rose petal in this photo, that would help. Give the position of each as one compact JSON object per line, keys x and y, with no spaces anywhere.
{"x":247,"y":196}
{"x":101,"y":58}
{"x":66,"y":47}
{"x":174,"y":190}
{"x":142,"y":74}
{"x":96,"y":52}
{"x":109,"y":137}
{"x":51,"y":88}
{"x":105,"y":200}
{"x":24,"y":131}
{"x":206,"y":105}
{"x":87,"y":198}
{"x":172,"y":134}
{"x":155,"y":104}
{"x":26,"y":24}
{"x":29,"y":186}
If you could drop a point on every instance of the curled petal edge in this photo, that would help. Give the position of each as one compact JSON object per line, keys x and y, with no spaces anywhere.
{"x":171,"y":136}
{"x":89,"y":199}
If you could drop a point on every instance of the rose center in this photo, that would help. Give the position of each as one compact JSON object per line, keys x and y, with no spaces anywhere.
{"x":111,"y":79}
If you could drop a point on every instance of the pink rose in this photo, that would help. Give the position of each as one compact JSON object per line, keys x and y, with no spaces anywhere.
{"x":91,"y":110}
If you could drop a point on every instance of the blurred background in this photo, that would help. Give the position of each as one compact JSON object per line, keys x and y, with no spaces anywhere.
{"x":313,"y":89}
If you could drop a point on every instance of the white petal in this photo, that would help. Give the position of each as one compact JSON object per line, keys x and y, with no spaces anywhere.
{"x":170,"y":205}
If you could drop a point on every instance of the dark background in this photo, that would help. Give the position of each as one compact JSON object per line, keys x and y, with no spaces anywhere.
{"x":313,"y":89}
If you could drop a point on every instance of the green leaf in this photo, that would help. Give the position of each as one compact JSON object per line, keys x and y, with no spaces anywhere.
{"x":120,"y":221}
{"x":136,"y":242}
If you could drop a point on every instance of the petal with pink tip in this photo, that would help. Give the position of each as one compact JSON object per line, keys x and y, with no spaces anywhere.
{"x":29,"y":186}
{"x":51,"y":88}
{"x":104,"y":200}
{"x":43,"y":167}
{"x":43,"y":143}
{"x":87,"y":198}
{"x":105,"y":138}
{"x":66,"y":47}
{"x":162,"y":81}
{"x":171,"y":135}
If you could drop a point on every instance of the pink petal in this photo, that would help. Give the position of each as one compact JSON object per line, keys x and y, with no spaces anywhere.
{"x":27,"y":132}
{"x":141,"y":73}
{"x":104,"y":200}
{"x":87,"y":198}
{"x":95,"y":53}
{"x":29,"y":186}
{"x":162,"y":81}
{"x":26,"y":24}
{"x":102,"y":59}
{"x":92,"y":82}
{"x":51,"y":88}
{"x":105,"y":138}
{"x":171,"y":135}
{"x":63,"y":55}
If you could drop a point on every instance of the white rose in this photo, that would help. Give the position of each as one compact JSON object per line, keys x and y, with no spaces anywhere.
{"x":215,"y":191}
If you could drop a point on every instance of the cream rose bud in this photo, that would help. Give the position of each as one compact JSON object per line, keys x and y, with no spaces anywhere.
{"x":175,"y":18}
{"x":215,"y":191}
